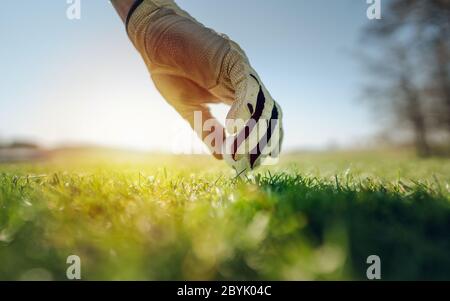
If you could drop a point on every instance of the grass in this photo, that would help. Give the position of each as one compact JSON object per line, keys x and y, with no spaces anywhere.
{"x":313,"y":217}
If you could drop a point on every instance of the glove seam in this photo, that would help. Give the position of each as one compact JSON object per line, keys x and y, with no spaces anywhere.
{"x":217,"y":80}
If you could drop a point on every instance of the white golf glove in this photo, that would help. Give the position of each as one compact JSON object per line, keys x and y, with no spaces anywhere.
{"x":193,"y":66}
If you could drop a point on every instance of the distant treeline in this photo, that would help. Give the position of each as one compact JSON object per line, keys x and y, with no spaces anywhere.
{"x":19,"y":144}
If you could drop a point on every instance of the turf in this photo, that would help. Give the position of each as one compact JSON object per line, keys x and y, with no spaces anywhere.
{"x":312,"y":217}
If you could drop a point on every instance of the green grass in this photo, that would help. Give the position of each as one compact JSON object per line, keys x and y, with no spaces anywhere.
{"x":315,"y":216}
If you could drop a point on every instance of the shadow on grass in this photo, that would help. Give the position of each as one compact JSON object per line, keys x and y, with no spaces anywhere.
{"x":407,"y":226}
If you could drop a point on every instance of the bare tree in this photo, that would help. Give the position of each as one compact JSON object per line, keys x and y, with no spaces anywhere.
{"x":411,"y":67}
{"x":439,"y":85}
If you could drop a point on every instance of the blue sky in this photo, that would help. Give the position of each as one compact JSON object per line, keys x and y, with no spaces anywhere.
{"x":81,"y":81}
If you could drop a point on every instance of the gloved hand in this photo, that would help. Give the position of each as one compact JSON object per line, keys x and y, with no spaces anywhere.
{"x":193,"y":66}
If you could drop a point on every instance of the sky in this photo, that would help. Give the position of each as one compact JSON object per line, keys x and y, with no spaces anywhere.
{"x":81,"y":81}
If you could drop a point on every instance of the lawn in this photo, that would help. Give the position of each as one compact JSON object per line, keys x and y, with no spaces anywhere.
{"x":315,"y":216}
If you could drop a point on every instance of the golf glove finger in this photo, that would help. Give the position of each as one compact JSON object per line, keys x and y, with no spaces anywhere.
{"x":254,"y":121}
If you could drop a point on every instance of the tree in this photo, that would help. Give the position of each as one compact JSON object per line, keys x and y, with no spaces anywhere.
{"x":411,"y":67}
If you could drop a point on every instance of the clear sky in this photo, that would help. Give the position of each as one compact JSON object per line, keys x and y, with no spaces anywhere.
{"x":81,"y":81}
